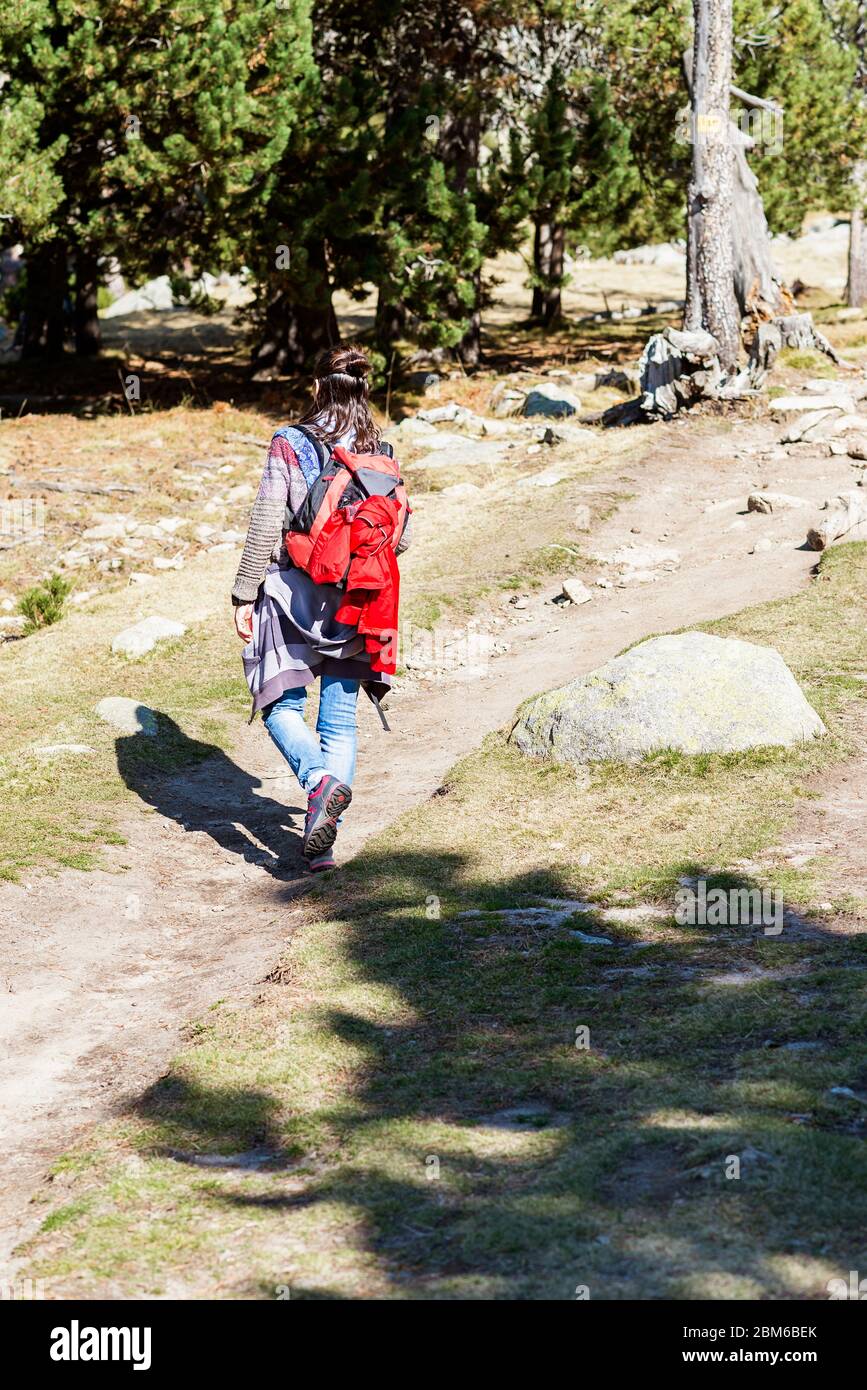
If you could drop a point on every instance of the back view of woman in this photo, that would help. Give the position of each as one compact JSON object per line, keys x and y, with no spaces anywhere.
{"x":289,"y":623}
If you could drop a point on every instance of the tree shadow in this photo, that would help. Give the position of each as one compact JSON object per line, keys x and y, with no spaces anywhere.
{"x":197,"y":785}
{"x":568,"y":1166}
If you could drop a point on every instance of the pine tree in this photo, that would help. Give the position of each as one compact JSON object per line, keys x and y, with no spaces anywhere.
{"x":174,"y":116}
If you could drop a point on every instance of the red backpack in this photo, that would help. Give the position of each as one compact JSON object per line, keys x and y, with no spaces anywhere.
{"x":345,"y":481}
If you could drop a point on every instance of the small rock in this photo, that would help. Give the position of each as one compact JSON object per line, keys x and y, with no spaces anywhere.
{"x":50,"y":750}
{"x":244,"y":492}
{"x":442,"y":414}
{"x":127,"y":716}
{"x":461,"y":490}
{"x":551,"y":401}
{"x":774,"y":502}
{"x":549,"y":478}
{"x":162,"y":563}
{"x":576,"y":591}
{"x":110,"y":529}
{"x":142,"y":637}
{"x":763,"y":543}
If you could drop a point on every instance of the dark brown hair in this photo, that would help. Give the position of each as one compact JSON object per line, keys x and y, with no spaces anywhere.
{"x":341,"y":400}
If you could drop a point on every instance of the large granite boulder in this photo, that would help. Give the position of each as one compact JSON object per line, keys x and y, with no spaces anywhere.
{"x":692,"y":692}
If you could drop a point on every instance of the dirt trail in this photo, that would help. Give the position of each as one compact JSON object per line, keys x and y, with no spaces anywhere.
{"x":102,"y":971}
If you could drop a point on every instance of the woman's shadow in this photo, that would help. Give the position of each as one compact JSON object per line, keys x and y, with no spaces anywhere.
{"x":200,"y":787}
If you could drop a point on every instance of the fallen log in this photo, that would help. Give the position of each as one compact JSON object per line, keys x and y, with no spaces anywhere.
{"x":844,"y":513}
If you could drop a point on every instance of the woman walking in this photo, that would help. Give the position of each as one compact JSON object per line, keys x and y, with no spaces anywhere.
{"x":295,"y":625}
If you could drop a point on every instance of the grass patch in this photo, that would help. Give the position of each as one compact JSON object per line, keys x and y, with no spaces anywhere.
{"x":415,"y":1113}
{"x":806,"y":360}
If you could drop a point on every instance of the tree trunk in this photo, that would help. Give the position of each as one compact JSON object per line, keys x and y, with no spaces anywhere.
{"x":45,"y":302}
{"x":758,"y":288}
{"x":856,"y":289}
{"x":460,"y":143}
{"x":711,"y":293}
{"x":469,"y":349}
{"x":88,"y":333}
{"x":390,"y":323}
{"x":549,"y":252}
{"x":295,"y":331}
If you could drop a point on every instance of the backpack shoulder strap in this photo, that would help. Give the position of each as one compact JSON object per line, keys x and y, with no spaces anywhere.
{"x":323,"y":453}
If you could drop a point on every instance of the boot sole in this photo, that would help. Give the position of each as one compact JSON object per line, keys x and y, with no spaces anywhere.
{"x":323,"y":837}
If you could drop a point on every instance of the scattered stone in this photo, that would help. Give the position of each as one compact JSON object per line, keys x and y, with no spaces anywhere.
{"x":440,"y":414}
{"x":832,"y":400}
{"x":170,"y":524}
{"x":426,"y":382}
{"x":127,"y":716}
{"x":161,"y":562}
{"x":549,"y":477}
{"x":847,"y":1093}
{"x":618,"y":380}
{"x":51,"y":750}
{"x":774,"y":502}
{"x":762,"y":544}
{"x":142,"y":637}
{"x":532,"y":1115}
{"x":551,"y":401}
{"x":461,"y":490}
{"x":459,"y":452}
{"x":691,"y":692}
{"x":576,"y":591}
{"x":646,"y":557}
{"x":139,"y":577}
{"x":111,"y":529}
{"x":243,"y":492}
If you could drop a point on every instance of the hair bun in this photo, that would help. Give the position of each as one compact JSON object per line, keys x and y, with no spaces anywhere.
{"x":357,"y":365}
{"x":343,"y":361}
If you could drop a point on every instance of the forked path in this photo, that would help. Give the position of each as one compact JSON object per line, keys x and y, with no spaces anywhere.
{"x":101,"y":971}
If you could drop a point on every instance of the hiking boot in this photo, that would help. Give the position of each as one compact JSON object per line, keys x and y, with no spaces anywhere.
{"x":329,"y":800}
{"x":322,"y":862}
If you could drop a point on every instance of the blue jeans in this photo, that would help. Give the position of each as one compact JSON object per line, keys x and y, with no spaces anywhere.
{"x":332,"y":747}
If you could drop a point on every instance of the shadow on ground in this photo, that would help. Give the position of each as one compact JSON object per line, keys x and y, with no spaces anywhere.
{"x":484,"y":1150}
{"x":197,"y":785}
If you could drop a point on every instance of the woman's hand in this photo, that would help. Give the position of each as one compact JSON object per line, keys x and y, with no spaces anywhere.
{"x":244,"y":621}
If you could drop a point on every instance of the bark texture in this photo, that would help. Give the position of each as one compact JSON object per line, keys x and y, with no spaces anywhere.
{"x":549,"y":259}
{"x":294,"y":331}
{"x":88,"y":333}
{"x":856,"y":289}
{"x":45,"y":302}
{"x":711,"y":303}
